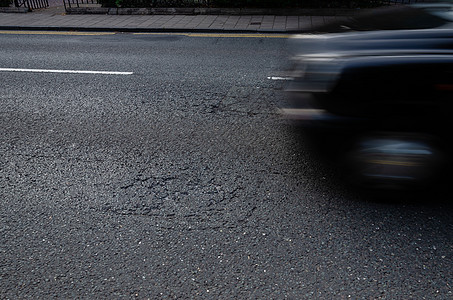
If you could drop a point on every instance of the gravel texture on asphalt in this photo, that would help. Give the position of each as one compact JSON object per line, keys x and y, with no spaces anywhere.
{"x":182,"y":181}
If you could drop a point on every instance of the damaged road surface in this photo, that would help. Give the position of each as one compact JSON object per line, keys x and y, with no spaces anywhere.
{"x":164,"y":171}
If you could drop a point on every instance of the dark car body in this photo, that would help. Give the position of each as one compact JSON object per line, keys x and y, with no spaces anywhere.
{"x":385,"y":81}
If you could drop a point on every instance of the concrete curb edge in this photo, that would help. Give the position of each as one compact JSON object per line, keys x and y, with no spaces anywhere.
{"x":147,"y":30}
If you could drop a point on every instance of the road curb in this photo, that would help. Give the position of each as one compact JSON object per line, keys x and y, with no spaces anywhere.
{"x":148,"y":30}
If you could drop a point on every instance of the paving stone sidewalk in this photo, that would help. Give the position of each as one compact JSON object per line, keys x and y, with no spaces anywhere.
{"x":55,"y":18}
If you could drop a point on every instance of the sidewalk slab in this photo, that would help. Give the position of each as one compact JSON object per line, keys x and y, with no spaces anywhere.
{"x":57,"y":19}
{"x":89,"y":9}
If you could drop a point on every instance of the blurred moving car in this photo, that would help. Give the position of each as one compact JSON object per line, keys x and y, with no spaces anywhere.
{"x":384,"y":82}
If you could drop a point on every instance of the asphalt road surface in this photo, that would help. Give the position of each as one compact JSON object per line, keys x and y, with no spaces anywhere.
{"x":178,"y":179}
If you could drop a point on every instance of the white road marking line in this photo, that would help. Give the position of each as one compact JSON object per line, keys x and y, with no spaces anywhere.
{"x":65,"y":71}
{"x":54,"y":32}
{"x":279,"y":78}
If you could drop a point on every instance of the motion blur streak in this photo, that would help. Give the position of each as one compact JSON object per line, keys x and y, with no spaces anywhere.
{"x":382,"y":85}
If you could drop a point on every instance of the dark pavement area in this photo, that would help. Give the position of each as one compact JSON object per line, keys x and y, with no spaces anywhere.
{"x":182,"y":181}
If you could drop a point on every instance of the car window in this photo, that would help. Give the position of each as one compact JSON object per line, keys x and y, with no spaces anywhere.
{"x":389,"y":18}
